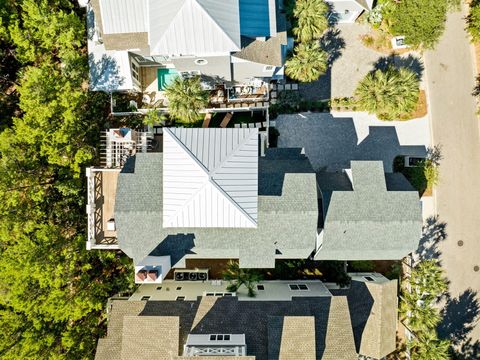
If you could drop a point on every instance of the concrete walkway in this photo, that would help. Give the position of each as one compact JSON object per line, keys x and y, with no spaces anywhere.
{"x":450,"y":76}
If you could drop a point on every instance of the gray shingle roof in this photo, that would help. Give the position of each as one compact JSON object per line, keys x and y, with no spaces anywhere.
{"x":373,"y":312}
{"x":370,"y":222}
{"x":291,"y":337}
{"x":269,"y":52}
{"x":339,"y":336}
{"x":145,"y":337}
{"x":287,"y":218}
{"x":258,"y":320}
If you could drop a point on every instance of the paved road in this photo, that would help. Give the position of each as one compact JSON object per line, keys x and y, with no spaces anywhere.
{"x":450,"y":76}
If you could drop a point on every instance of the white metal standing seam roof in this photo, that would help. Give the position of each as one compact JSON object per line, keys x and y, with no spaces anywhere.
{"x":210,"y":177}
{"x":177,"y":27}
{"x":194,"y":27}
{"x":124,"y":16}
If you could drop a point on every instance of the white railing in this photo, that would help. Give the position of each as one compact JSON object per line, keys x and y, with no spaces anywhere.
{"x":215,"y":351}
{"x":90,"y":207}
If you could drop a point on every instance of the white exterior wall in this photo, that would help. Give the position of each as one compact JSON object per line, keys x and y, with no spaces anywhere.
{"x":340,"y":7}
{"x":244,"y":70}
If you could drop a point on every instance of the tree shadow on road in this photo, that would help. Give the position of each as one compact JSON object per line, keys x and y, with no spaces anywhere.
{"x":460,"y":316}
{"x":433,"y":232}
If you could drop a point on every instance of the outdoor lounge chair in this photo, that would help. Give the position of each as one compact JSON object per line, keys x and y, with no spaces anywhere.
{"x":152,"y":275}
{"x":206,"y":121}
{"x":226,"y":120}
{"x":141,"y":276}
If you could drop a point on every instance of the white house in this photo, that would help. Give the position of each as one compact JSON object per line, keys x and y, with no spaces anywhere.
{"x":347,"y":11}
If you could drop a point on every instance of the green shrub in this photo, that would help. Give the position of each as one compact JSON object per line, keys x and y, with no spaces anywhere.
{"x":473,"y":21}
{"x":361,"y":266}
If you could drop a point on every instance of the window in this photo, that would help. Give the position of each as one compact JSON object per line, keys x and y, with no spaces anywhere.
{"x":145,"y":298}
{"x":298,"y":287}
{"x":141,"y":59}
{"x":220,"y":294}
{"x":135,"y":71}
{"x":180,"y":298}
{"x":201,"y":62}
{"x":219,"y":337}
{"x":159,"y":288}
{"x":369,"y":278}
{"x":260,"y":287}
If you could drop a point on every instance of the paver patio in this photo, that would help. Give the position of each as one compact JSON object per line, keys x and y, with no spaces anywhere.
{"x":351,"y":61}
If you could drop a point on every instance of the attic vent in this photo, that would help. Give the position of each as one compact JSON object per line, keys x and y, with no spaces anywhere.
{"x":268,"y":68}
{"x":201,"y":62}
{"x":369,"y":278}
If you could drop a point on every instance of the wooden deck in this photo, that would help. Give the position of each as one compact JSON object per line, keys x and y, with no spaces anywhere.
{"x":106,"y":187}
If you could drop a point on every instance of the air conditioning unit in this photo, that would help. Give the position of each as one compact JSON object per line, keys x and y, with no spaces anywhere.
{"x":191,"y":275}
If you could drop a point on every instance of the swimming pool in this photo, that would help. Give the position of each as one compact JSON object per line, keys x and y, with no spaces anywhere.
{"x":165,"y":77}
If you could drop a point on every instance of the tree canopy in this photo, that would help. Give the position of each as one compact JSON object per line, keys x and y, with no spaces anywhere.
{"x":390,"y":94}
{"x":310,"y":19}
{"x":53,"y":290}
{"x":422,"y":22}
{"x":473,"y":20}
{"x":186,"y":98}
{"x":419,"y":313}
{"x":308,"y":62}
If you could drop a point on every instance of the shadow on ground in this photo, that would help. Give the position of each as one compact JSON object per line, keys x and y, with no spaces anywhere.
{"x":408,"y":62}
{"x":333,"y":44}
{"x":460,"y":316}
{"x":433,"y":232}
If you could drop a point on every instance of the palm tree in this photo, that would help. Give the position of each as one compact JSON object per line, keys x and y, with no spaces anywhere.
{"x":428,"y":280}
{"x":418,"y":315}
{"x":427,"y":346}
{"x":237,"y":277}
{"x":186,"y":98}
{"x":308,"y":62}
{"x":311,"y":19}
{"x":390,"y":94}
